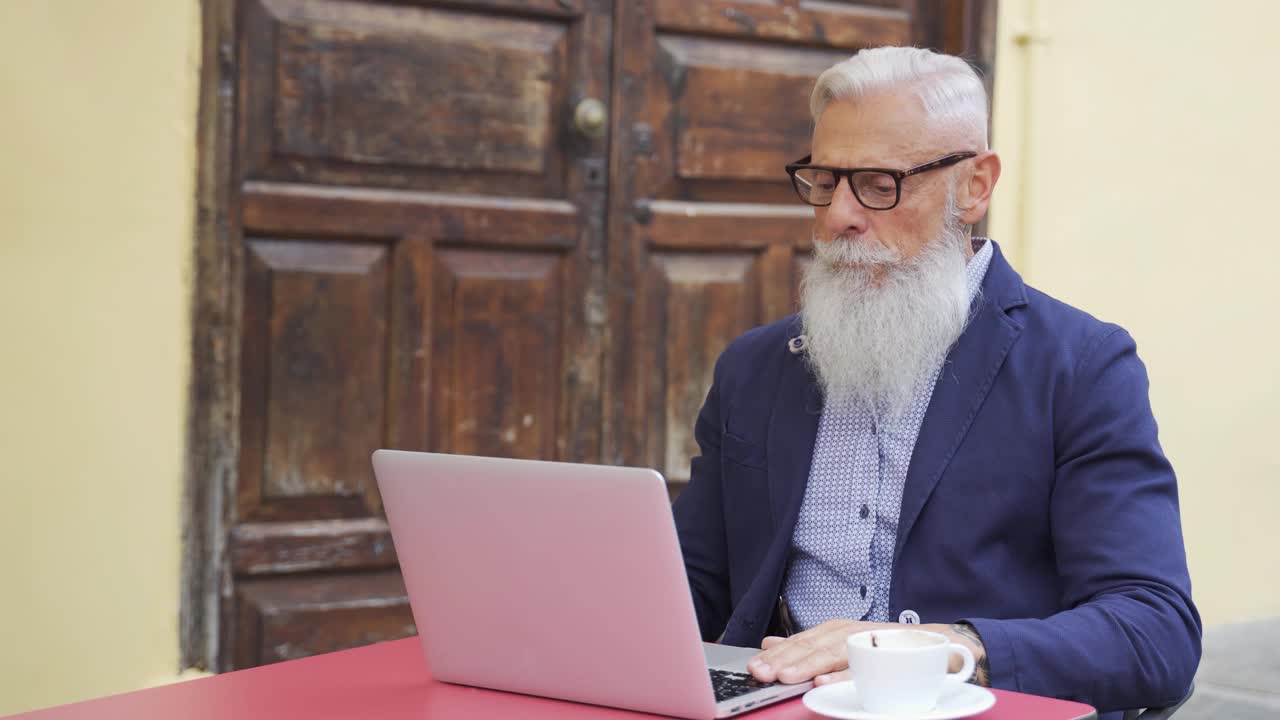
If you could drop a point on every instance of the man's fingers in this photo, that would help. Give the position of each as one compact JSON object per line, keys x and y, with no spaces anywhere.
{"x":760,"y":671}
{"x":834,"y":677}
{"x":797,"y":660}
{"x":820,"y":662}
{"x":778,"y":654}
{"x":818,"y":651}
{"x":759,"y":668}
{"x":784,"y":655}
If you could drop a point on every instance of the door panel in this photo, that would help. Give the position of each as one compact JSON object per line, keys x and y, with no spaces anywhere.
{"x":314,"y":364}
{"x":269,"y":548}
{"x":680,"y":360}
{"x":289,"y":618}
{"x":723,"y":137}
{"x":420,"y":269}
{"x":711,"y":102}
{"x":497,"y":316}
{"x":411,"y":97}
{"x":832,"y":23}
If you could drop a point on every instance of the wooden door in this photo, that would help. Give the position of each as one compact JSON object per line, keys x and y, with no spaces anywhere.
{"x":711,"y":100}
{"x":406,"y":242}
{"x":420,"y":269}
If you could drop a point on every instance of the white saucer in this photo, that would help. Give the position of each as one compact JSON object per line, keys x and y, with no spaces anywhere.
{"x":840,"y":700}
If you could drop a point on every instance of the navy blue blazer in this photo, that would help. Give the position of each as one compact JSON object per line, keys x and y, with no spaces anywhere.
{"x":1038,"y":506}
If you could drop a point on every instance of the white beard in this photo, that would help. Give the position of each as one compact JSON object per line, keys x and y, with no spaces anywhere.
{"x":877,"y":326}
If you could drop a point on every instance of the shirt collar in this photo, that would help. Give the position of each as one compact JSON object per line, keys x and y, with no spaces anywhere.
{"x":976,"y":270}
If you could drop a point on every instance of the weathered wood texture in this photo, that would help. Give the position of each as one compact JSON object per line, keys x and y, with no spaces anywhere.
{"x":402,"y":243}
{"x":710,"y":101}
{"x":418,"y":265}
{"x":211,"y":432}
{"x":288,"y":547}
{"x":288,"y":618}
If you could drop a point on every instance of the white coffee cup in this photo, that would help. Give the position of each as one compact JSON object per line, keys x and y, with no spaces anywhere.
{"x":904,"y":671}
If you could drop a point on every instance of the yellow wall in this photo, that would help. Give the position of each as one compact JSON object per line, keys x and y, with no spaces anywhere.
{"x":97,"y":163}
{"x":1140,"y":139}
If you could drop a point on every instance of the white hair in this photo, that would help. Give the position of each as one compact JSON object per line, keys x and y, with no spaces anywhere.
{"x":948,"y":87}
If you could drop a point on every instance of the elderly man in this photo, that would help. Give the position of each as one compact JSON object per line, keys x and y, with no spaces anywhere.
{"x":930,"y":440}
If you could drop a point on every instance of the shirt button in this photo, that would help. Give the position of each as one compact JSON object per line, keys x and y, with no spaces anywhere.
{"x":863,"y":590}
{"x":909,"y":617}
{"x":865,"y":512}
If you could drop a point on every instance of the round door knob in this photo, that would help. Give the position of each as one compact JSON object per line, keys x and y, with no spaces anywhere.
{"x":589,"y":117}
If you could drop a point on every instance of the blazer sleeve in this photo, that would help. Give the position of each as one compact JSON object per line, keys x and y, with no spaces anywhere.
{"x":699,"y":517}
{"x":1131,"y":635}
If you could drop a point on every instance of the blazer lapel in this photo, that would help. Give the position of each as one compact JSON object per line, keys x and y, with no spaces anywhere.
{"x":966,"y":378}
{"x":793,"y":429}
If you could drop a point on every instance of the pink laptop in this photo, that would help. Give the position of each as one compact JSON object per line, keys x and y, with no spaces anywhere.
{"x":560,"y":580}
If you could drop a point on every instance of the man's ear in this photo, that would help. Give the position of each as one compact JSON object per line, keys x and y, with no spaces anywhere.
{"x":974,"y":194}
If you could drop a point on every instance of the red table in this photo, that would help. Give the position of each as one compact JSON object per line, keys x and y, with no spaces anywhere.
{"x":389,"y":681}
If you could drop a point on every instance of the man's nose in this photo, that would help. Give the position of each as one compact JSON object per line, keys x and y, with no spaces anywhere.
{"x":845,"y":214}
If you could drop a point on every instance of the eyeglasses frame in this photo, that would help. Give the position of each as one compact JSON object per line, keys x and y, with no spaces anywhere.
{"x":848,"y":173}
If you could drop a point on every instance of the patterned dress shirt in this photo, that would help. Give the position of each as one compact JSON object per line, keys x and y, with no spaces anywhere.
{"x":842,"y":550}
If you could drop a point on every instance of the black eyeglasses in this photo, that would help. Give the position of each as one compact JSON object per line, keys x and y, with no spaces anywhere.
{"x":875,"y":188}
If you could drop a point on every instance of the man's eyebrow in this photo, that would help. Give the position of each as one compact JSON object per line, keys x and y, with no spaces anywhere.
{"x":909,"y":160}
{"x":864,"y":164}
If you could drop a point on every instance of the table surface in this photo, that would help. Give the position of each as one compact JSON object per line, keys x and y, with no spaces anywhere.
{"x":390,"y":681}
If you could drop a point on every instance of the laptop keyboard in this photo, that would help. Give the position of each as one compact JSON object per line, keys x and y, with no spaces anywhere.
{"x":731,"y":684}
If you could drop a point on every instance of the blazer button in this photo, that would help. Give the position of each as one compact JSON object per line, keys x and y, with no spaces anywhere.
{"x":909,"y":617}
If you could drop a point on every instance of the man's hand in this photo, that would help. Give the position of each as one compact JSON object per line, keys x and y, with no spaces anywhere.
{"x":820,"y":653}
